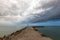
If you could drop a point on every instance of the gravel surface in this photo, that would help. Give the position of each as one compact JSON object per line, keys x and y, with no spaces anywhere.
{"x":26,"y":34}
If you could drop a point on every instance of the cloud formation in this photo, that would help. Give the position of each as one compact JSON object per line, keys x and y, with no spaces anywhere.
{"x":29,"y":10}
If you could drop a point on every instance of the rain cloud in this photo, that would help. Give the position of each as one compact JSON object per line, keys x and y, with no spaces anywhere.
{"x":29,"y":10}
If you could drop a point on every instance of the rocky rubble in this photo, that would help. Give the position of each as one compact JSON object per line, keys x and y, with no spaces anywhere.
{"x":29,"y":33}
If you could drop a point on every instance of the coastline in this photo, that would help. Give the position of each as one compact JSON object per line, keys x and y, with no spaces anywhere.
{"x":27,"y":33}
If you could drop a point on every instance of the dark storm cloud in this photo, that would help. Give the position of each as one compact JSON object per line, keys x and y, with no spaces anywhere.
{"x":52,"y":14}
{"x":30,"y":10}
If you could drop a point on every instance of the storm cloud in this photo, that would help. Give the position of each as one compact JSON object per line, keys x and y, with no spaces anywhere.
{"x":29,"y":10}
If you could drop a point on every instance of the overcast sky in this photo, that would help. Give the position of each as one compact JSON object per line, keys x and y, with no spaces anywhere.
{"x":15,"y":14}
{"x":29,"y":10}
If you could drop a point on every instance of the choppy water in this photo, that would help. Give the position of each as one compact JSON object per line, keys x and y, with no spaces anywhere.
{"x":53,"y":32}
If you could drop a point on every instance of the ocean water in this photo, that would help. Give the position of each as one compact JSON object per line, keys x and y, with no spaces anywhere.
{"x":8,"y":28}
{"x":51,"y":31}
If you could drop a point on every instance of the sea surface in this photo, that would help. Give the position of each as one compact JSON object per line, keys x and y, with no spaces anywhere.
{"x":51,"y":31}
{"x":51,"y":28}
{"x":8,"y":28}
